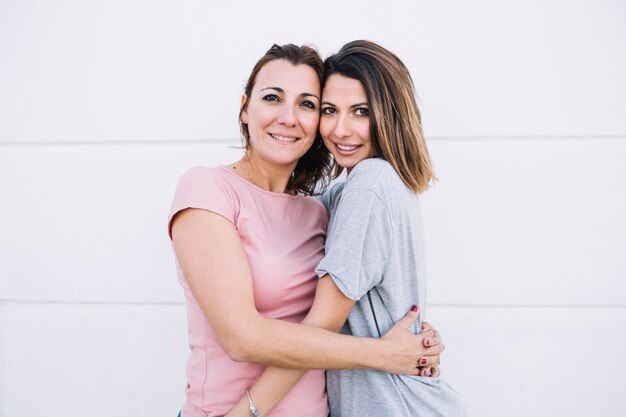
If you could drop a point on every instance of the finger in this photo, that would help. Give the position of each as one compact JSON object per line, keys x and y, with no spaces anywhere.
{"x":409,"y":318}
{"x":436,"y":336}
{"x":428,"y":361}
{"x":431,"y":338}
{"x":435,"y":371}
{"x":432,"y":332}
{"x":428,"y":327}
{"x":428,"y":340}
{"x":435,"y":350}
{"x":414,"y":371}
{"x":426,"y":371}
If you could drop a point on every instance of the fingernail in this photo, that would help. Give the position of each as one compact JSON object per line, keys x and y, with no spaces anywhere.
{"x":427,"y":342}
{"x":423,"y":327}
{"x":414,"y":308}
{"x":423,"y":361}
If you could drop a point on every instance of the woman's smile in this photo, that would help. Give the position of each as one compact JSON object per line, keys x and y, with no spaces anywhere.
{"x":346,"y":150}
{"x":284,"y":138}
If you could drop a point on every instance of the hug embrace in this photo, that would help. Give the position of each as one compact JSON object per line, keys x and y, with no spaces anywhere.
{"x":304,"y":299}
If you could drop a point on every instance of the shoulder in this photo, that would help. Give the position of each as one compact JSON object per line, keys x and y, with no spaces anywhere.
{"x":331,"y":194}
{"x":202,"y":173}
{"x":205,"y":188}
{"x":373,"y":174}
{"x":315,"y":202}
{"x":201,"y":177}
{"x":204,"y":183}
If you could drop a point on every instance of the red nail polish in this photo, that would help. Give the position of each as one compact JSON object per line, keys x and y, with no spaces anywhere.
{"x":427,"y":342}
{"x":423,"y":361}
{"x":414,"y":308}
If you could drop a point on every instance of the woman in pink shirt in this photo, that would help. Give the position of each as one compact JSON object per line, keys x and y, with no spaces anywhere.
{"x":247,"y":239}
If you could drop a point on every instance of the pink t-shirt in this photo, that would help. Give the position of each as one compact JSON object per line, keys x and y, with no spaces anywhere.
{"x":283,"y":237}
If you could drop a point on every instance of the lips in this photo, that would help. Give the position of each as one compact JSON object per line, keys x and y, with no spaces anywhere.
{"x":286,"y":139}
{"x":346,"y":150}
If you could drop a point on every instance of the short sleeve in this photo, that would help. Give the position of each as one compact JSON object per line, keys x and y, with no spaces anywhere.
{"x":203,"y":188}
{"x":358,"y":243}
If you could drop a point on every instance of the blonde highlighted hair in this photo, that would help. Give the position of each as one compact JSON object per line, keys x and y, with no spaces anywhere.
{"x":395,"y":121}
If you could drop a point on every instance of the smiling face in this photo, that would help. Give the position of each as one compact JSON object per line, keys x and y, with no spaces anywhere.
{"x":282,"y":112}
{"x":345,"y":124}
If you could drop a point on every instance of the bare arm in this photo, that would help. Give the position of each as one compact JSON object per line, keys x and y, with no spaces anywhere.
{"x":330,"y":310}
{"x":214,"y":263}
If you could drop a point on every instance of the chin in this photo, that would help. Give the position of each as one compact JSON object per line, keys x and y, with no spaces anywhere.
{"x":348,"y":163}
{"x":287,"y":161}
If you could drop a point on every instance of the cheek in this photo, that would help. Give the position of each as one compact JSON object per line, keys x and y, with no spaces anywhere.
{"x":254,"y":122}
{"x":364,"y":133}
{"x":311,"y":123}
{"x":325,"y":128}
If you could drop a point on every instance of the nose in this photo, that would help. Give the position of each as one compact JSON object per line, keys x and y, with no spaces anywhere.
{"x":287,"y":116}
{"x":343,"y":128}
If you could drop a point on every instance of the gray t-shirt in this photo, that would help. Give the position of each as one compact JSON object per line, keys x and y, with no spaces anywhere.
{"x":374,"y":251}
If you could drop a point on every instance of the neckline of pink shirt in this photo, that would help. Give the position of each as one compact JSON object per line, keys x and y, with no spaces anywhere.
{"x":259,"y":189}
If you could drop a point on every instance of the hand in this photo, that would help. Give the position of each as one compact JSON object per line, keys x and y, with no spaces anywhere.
{"x":403,"y":351}
{"x":431,"y":367}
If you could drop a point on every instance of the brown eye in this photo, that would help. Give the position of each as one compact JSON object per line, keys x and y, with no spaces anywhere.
{"x":329,"y":110}
{"x":362,"y":111}
{"x":308,"y":104}
{"x":271,"y":97}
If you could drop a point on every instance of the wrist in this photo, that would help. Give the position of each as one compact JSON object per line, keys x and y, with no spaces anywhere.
{"x":240,"y":409}
{"x":373,"y":354}
{"x":251,"y":407}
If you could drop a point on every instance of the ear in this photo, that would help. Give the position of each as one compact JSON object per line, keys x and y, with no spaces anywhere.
{"x":244,"y":113}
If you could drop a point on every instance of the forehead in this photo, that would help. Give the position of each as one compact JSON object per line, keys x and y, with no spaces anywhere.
{"x":291,"y":78}
{"x":340,"y":88}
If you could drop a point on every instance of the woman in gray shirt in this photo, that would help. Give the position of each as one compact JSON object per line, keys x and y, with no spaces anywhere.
{"x":374,"y":250}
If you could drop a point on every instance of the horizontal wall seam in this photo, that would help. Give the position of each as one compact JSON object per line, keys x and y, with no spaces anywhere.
{"x":14,"y":302}
{"x":237,"y":141}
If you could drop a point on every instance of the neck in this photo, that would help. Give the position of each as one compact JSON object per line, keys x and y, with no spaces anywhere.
{"x":270,"y":177}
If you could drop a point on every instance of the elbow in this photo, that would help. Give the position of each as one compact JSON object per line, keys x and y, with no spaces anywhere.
{"x":237,"y":352}
{"x":244,"y":351}
{"x":333,"y":324}
{"x":244,"y":345}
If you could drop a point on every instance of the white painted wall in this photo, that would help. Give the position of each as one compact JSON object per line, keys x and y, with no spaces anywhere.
{"x":104,"y":104}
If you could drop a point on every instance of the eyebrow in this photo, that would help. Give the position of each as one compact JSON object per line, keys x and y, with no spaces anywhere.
{"x":328,"y":103}
{"x":280,"y":90}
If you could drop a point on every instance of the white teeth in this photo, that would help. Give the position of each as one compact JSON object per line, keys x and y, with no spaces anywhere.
{"x":347,"y":147}
{"x":283,"y":138}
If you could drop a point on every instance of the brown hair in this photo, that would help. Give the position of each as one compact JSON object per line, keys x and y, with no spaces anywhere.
{"x":395,"y":123}
{"x":312,"y":172}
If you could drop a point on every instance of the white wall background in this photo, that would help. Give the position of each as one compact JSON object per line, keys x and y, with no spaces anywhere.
{"x":103,"y":104}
